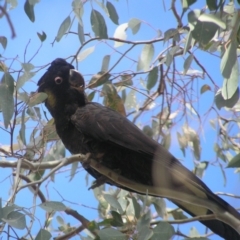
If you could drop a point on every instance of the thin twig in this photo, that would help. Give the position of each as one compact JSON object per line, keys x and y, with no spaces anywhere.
{"x":175,"y":13}
{"x":9,"y":21}
{"x":193,"y":219}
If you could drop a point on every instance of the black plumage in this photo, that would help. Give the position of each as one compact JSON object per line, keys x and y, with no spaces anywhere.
{"x":87,"y":127}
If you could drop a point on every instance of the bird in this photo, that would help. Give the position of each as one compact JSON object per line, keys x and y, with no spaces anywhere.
{"x":117,"y":144}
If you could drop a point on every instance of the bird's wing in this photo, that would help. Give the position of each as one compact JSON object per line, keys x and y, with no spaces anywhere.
{"x":104,"y":124}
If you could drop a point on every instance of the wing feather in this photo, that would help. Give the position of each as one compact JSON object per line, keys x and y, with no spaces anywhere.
{"x":107,"y":125}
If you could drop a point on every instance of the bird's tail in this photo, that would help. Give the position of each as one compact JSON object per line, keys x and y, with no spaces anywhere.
{"x":188,"y":192}
{"x":222,"y":229}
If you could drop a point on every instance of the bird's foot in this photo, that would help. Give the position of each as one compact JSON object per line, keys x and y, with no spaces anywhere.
{"x":87,"y":160}
{"x":100,"y":181}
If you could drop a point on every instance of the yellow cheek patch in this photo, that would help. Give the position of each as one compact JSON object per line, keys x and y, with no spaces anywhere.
{"x":51,"y":99}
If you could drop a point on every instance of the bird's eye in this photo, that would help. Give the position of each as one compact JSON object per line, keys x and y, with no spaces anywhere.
{"x":58,"y":80}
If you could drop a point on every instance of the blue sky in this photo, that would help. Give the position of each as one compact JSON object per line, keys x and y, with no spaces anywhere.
{"x":49,"y":16}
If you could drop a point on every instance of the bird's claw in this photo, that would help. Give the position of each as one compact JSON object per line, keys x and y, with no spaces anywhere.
{"x":99,"y":181}
{"x":87,"y":160}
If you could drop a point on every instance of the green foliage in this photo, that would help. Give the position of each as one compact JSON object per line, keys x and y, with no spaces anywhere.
{"x":134,"y":24}
{"x":63,"y":28}
{"x":29,"y":10}
{"x":52,"y":206}
{"x":43,"y":235}
{"x":145,"y":57}
{"x":85,"y":53}
{"x":235,"y":161}
{"x":42,"y":36}
{"x":3,"y":41}
{"x":152,"y":78}
{"x":98,"y":24}
{"x":6,"y":98}
{"x":112,"y":12}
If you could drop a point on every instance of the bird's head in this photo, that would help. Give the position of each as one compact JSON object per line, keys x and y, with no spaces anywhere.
{"x":63,"y":85}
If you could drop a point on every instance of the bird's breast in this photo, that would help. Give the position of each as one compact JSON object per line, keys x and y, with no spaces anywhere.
{"x":74,"y":141}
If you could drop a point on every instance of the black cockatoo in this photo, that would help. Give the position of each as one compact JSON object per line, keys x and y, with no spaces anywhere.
{"x":88,"y":127}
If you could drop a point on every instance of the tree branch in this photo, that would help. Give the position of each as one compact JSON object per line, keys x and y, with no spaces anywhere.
{"x":187,"y":220}
{"x":4,"y":12}
{"x":120,"y":181}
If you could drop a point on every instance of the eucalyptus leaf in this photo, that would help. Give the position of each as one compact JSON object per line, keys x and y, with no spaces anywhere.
{"x":33,"y":2}
{"x":99,"y":79}
{"x":105,"y":63}
{"x":73,"y":170}
{"x":235,"y":162}
{"x":43,"y":234}
{"x":188,"y":43}
{"x":144,"y":221}
{"x":169,"y":59}
{"x":187,"y":63}
{"x":131,"y":101}
{"x":42,"y":36}
{"x":137,"y":207}
{"x":160,"y":206}
{"x":16,"y":220}
{"x":212,"y":18}
{"x":23,"y":128}
{"x":146,"y":57}
{"x":212,"y":4}
{"x":230,"y":85}
{"x":3,"y":41}
{"x":163,"y":231}
{"x":29,"y":10}
{"x":77,"y":6}
{"x":24,"y":78}
{"x":81,"y":33}
{"x":110,"y":234}
{"x":7,"y":209}
{"x":145,"y":233}
{"x":229,"y":103}
{"x":117,"y":219}
{"x":1,"y":209}
{"x":205,"y":88}
{"x":152,"y":78}
{"x":187,"y":3}
{"x":99,"y":26}
{"x":148,"y":131}
{"x":134,"y":24}
{"x":229,"y":59}
{"x":120,"y":33}
{"x":91,"y":96}
{"x":53,"y":206}
{"x":49,"y":131}
{"x":6,"y":98}
{"x":126,"y":80}
{"x":204,"y":32}
{"x":170,"y":33}
{"x":27,"y":66}
{"x":112,"y":99}
{"x":178,"y":214}
{"x":37,"y":98}
{"x":63,"y":28}
{"x":113,"y":202}
{"x":85,"y":53}
{"x":112,"y":12}
{"x":200,"y":168}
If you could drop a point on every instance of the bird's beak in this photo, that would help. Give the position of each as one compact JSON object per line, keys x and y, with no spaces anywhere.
{"x":76,"y":79}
